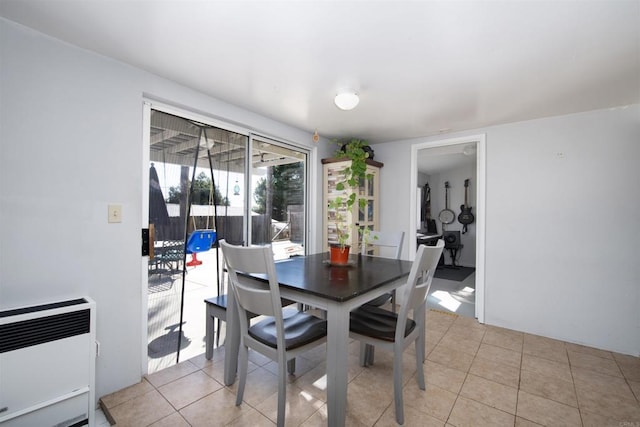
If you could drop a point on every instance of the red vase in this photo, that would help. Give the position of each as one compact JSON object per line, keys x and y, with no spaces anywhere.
{"x":339,"y":255}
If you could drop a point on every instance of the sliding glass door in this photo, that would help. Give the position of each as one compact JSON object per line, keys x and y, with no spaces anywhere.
{"x":249,"y":189}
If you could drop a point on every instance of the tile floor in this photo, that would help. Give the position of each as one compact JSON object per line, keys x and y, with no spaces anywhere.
{"x":477,"y":375}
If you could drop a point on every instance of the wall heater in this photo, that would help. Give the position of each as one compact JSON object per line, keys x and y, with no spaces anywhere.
{"x":47,"y":364}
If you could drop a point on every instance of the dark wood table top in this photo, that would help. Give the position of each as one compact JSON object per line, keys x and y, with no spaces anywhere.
{"x":314,"y":275}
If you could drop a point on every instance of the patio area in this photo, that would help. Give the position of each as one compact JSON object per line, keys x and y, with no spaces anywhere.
{"x":164,"y":291}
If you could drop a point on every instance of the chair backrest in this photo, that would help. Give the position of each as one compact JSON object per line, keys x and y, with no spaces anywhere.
{"x":390,"y":239}
{"x":420,"y":278}
{"x":252,"y":295}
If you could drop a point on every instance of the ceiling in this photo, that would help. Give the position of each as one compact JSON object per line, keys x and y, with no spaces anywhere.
{"x":421,"y":68}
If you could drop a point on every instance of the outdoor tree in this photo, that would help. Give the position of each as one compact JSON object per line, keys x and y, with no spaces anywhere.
{"x":287,"y":188}
{"x":201,"y":192}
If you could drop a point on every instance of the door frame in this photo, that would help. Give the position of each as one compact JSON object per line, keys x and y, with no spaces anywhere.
{"x":480,"y":209}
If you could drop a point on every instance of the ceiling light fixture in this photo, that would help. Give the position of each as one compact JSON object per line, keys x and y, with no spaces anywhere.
{"x":347,"y":99}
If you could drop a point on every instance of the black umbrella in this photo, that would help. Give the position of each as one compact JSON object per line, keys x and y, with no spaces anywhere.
{"x":158,"y":213}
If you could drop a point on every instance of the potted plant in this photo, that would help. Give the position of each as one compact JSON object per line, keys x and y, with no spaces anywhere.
{"x":357,"y":151}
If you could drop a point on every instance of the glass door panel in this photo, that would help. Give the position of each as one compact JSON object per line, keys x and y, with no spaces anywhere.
{"x":278,"y":197}
{"x":182,"y":200}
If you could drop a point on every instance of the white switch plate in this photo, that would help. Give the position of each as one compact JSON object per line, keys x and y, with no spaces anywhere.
{"x":115,"y":213}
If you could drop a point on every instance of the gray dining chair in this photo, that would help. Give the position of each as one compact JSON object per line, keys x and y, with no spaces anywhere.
{"x":216,"y":313}
{"x":391,"y":243}
{"x":280,"y":336}
{"x":396,"y":331}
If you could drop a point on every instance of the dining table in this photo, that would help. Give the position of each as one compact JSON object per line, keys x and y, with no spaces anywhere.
{"x":313,"y":281}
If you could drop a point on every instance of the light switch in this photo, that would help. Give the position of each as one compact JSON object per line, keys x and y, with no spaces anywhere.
{"x":115,"y":213}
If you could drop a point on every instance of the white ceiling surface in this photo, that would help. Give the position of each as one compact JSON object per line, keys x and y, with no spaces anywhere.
{"x":421,"y":68}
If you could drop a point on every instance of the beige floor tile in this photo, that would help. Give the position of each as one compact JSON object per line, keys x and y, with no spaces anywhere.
{"x":216,"y":409}
{"x":173,"y":420}
{"x":495,"y":371}
{"x":504,"y":338}
{"x":316,"y":355}
{"x":594,"y":363}
{"x":540,"y":341}
{"x":597,"y":420}
{"x":443,"y":377}
{"x":515,"y":379}
{"x":302,"y":367}
{"x":201,"y":361}
{"x":412,"y":417}
{"x":142,"y":410}
{"x":546,"y":412}
{"x":258,"y":358}
{"x":365,"y":402}
{"x":606,"y":384}
{"x":490,"y":393}
{"x":500,"y":355}
{"x":629,"y":365}
{"x":319,"y":419}
{"x":469,"y":413}
{"x":521,"y":422}
{"x":433,"y":401}
{"x":314,"y":382}
{"x":171,"y":373}
{"x":299,"y":406}
{"x":438,"y":324}
{"x":545,"y":348}
{"x":546,"y":367}
{"x":251,"y":417}
{"x":430,"y":345}
{"x":121,"y":396}
{"x":451,"y":358}
{"x":475,"y":333}
{"x":380,"y":374}
{"x":551,"y":388}
{"x":460,"y":343}
{"x":589,"y":350}
{"x":216,"y":370}
{"x":635,"y":387}
{"x":597,"y":400}
{"x":186,"y":390}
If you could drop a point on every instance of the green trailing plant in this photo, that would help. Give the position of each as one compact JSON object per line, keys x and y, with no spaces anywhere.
{"x":352,"y":175}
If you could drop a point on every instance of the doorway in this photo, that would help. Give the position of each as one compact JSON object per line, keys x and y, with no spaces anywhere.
{"x":453,"y":169}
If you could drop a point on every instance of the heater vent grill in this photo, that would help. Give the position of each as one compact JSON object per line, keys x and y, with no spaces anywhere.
{"x":47,"y":364}
{"x":32,"y":332}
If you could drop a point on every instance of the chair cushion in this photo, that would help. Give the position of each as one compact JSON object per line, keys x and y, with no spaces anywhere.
{"x":300,"y":328}
{"x":220,"y":301}
{"x":381,"y":300}
{"x":376,"y":322}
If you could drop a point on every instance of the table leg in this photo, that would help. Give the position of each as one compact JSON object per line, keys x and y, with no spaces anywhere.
{"x":231,"y":341}
{"x":337,"y":360}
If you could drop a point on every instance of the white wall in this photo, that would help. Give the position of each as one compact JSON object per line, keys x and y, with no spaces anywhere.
{"x":561,"y":224}
{"x":71,"y":143}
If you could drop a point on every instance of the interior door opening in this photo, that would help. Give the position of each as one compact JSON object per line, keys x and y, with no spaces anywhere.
{"x":449,"y":182}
